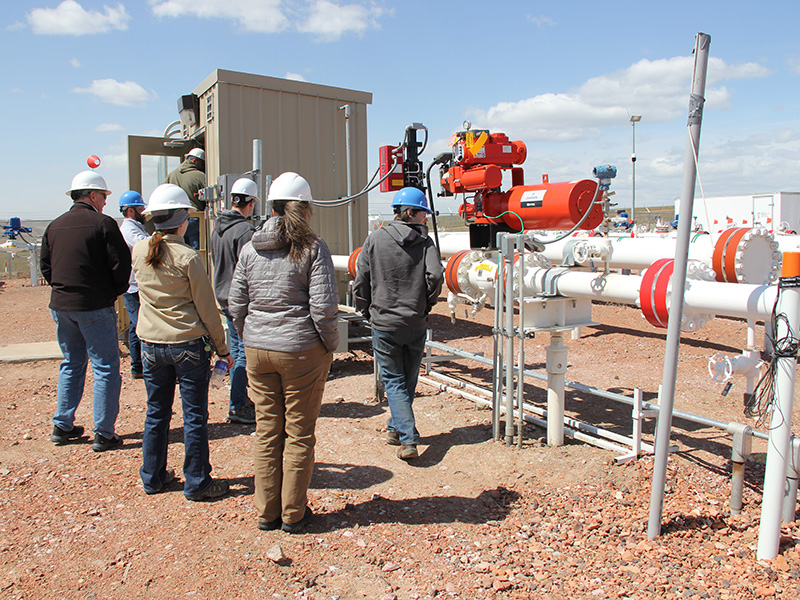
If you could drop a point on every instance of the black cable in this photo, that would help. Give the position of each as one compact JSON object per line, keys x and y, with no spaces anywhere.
{"x":430,"y":202}
{"x":761,"y":402}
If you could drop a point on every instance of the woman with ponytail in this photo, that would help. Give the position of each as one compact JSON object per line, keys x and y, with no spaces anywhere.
{"x":178,"y":325}
{"x":284,"y":303}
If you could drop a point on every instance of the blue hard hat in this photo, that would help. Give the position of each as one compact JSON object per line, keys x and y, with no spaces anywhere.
{"x":411,"y":197}
{"x":131,"y":198}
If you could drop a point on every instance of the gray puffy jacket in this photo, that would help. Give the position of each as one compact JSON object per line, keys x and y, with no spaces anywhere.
{"x":280,"y":305}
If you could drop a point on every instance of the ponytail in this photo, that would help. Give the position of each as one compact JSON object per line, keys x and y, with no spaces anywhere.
{"x":294,"y":228}
{"x":156,"y":246}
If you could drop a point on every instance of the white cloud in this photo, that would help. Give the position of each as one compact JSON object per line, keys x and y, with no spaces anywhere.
{"x":70,"y":18}
{"x":541,"y":20}
{"x":75,"y":62}
{"x":109,"y":127}
{"x":793,"y":62}
{"x":330,"y":21}
{"x":658,"y":89}
{"x":294,"y":77}
{"x":260,"y":16}
{"x":121,"y":93}
{"x":325,"y":19}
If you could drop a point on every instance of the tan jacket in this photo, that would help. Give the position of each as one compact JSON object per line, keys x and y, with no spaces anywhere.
{"x":177,"y":300}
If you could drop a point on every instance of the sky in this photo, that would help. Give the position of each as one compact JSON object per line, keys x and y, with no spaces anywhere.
{"x":563,"y":76}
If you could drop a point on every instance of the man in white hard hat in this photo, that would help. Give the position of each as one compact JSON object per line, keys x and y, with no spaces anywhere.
{"x":87,"y":263}
{"x":231,"y":232}
{"x":190,"y":176}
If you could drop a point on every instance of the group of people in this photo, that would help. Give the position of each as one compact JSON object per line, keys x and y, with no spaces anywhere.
{"x":277,"y":290}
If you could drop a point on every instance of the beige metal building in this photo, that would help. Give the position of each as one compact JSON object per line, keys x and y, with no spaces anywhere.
{"x":302,"y":127}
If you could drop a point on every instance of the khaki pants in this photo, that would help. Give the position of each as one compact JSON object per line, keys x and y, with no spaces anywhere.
{"x":286,"y":388}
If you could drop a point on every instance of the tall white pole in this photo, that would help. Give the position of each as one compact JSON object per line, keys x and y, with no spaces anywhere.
{"x":633,"y":172}
{"x":667,"y":401}
{"x":780,"y":432}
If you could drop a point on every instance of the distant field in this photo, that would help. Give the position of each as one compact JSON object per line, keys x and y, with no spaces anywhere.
{"x":15,"y":266}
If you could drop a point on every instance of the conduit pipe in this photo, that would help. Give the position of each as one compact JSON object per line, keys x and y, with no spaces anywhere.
{"x":577,"y":435}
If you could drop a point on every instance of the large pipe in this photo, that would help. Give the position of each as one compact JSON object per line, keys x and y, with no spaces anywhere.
{"x":746,"y":256}
{"x":476,"y":275}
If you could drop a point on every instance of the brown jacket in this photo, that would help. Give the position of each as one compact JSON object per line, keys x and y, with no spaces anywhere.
{"x":177,"y":300}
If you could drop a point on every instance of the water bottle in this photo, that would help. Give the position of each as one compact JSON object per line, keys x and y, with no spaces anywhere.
{"x":218,"y":373}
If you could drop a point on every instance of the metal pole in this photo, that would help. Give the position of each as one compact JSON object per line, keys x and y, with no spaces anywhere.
{"x":792,"y":480}
{"x":664,"y":425}
{"x":508,"y":264}
{"x":497,"y":359}
{"x":556,"y":359}
{"x":521,"y":321}
{"x":633,"y":172}
{"x":780,"y":431}
{"x":350,"y":239}
{"x":258,"y":175}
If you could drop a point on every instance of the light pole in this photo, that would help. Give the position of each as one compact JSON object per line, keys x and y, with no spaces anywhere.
{"x":634,"y":120}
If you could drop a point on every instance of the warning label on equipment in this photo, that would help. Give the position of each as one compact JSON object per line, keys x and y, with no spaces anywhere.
{"x":532,"y":199}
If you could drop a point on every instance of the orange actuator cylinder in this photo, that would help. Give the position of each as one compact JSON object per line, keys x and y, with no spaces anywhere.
{"x":547,"y":206}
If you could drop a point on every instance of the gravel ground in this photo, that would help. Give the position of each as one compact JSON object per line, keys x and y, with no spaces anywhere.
{"x":471,"y":518}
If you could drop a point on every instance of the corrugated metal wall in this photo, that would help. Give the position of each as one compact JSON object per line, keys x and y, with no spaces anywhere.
{"x":302,"y":129}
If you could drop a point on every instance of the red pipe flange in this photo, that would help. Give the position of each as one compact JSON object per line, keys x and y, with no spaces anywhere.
{"x":653,"y":292}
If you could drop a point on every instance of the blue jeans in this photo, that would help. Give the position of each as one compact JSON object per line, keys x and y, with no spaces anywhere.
{"x":399,"y":355}
{"x":134,"y":344}
{"x":192,"y":235}
{"x":239,"y":395}
{"x":164,"y":365}
{"x":92,"y":334}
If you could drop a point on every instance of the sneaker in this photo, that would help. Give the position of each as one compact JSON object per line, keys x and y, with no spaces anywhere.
{"x":101,"y":443}
{"x":61,"y":437}
{"x":217,"y":489}
{"x":265,"y":525}
{"x":168,"y":478}
{"x":300,"y":525}
{"x":407,"y":452}
{"x":244,"y":415}
{"x":392,"y":438}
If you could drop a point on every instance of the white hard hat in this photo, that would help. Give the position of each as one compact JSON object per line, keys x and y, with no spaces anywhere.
{"x":167,"y":197}
{"x":197,"y":153}
{"x":289,"y":186}
{"x":245,"y":187}
{"x":88,"y":180}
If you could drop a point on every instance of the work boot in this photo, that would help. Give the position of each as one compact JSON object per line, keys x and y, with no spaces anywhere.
{"x":217,"y":489}
{"x":101,"y":443}
{"x":300,"y":525}
{"x":392,"y":438}
{"x":169,"y":477}
{"x":407,"y":452}
{"x":61,"y":436}
{"x":244,"y":415}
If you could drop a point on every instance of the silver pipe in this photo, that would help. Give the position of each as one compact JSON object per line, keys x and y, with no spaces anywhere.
{"x":259,"y":176}
{"x":577,"y":435}
{"x":497,"y":360}
{"x":508,"y":263}
{"x":521,"y":320}
{"x":664,"y":424}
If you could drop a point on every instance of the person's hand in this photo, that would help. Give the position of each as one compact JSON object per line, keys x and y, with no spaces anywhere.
{"x":228,"y":360}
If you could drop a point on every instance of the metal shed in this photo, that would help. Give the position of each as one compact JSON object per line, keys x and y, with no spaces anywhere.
{"x":302,"y":127}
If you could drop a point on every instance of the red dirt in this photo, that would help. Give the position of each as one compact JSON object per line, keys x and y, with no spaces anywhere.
{"x":471,"y":518}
